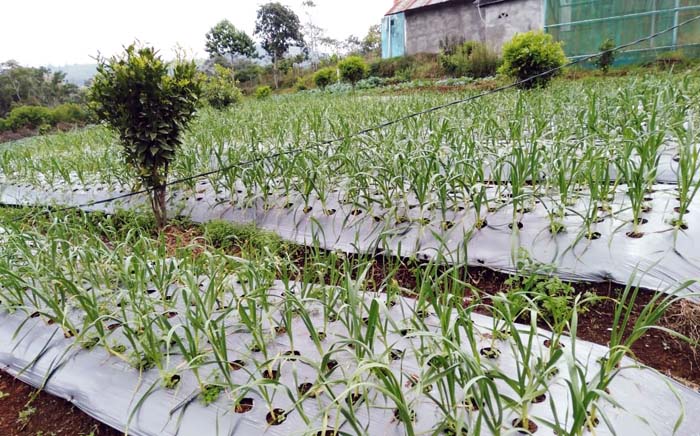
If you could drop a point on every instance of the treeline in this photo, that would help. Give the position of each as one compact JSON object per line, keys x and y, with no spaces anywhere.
{"x":31,"y":98}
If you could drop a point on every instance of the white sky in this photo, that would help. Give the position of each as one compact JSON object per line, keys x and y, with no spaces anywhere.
{"x":57,"y":32}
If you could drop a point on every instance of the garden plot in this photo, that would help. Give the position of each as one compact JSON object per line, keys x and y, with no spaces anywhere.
{"x":336,"y":366}
{"x":628,"y":234}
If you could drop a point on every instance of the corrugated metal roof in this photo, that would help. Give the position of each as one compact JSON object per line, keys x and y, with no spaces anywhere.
{"x":406,"y":5}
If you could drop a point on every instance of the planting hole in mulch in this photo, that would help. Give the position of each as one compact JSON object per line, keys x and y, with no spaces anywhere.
{"x":593,"y":236}
{"x":308,"y":209}
{"x":635,"y":235}
{"x":471,"y":404}
{"x":411,"y":415}
{"x":677,"y":209}
{"x":321,"y":336}
{"x":306,"y":388}
{"x":114,"y":326}
{"x":329,"y":212}
{"x":280,"y":330}
{"x":289,"y":205}
{"x":531,"y":426}
{"x":236,"y":365}
{"x":490,"y":353}
{"x":641,"y":221}
{"x":447,"y":225}
{"x":355,"y":398}
{"x":396,"y":354}
{"x":171,"y":314}
{"x":548,"y":343}
{"x":519,"y":224}
{"x":245,"y":405}
{"x":329,"y":432}
{"x":292,"y":354}
{"x":356,"y":212}
{"x":276,"y":416}
{"x":331,"y":365}
{"x":422,"y":314}
{"x":377,"y":219}
{"x":173,"y":380}
{"x":539,"y":399}
{"x":271,"y":374}
{"x":405,"y":332}
{"x":255,"y":348}
{"x":480,"y":224}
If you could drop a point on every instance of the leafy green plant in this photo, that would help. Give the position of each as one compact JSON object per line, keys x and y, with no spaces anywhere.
{"x":263,"y":92}
{"x":149,"y":108}
{"x":607,"y":56}
{"x":353,"y":69}
{"x":533,"y":55}
{"x":471,"y":59}
{"x":325,"y":76}
{"x":219,"y":90}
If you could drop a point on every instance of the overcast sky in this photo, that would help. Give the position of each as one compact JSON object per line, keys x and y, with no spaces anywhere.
{"x":57,"y":32}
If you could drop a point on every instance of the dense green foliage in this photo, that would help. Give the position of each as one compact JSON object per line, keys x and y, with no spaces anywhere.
{"x":225,"y":40}
{"x":470,"y":59}
{"x":137,"y":96}
{"x":325,"y":76}
{"x":263,"y":92}
{"x":533,"y":55}
{"x":21,"y":86}
{"x":607,"y":57}
{"x":353,"y":69}
{"x":32,"y":117}
{"x":219,"y":90}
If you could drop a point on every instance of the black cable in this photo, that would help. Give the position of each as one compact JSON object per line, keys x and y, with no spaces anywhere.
{"x":382,"y":125}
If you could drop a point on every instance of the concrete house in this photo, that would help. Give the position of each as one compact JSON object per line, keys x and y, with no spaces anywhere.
{"x":418,"y":26}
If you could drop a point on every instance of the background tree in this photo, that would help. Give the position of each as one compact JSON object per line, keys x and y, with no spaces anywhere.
{"x":149,"y":107}
{"x":225,"y":40}
{"x":25,"y":86}
{"x":279,"y":29}
{"x":372,"y":42}
{"x":313,"y":34}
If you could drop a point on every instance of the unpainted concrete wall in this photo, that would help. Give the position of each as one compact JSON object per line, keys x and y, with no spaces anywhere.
{"x":503,"y":20}
{"x":425,"y":28}
{"x":494,"y":24}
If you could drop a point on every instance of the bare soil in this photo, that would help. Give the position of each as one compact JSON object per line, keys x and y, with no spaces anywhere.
{"x":24,"y":412}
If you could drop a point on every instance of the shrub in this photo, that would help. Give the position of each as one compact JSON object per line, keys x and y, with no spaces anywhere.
{"x":532,"y":54}
{"x":470,"y":59}
{"x":149,"y":103}
{"x":30,"y":117}
{"x":353,"y":69}
{"x":263,"y":92}
{"x":70,"y":113}
{"x":220,"y":89}
{"x":389,"y":67}
{"x":325,"y":76}
{"x":607,"y":58}
{"x":4,"y":126}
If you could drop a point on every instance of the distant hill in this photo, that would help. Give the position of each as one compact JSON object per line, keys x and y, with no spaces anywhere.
{"x":77,"y":74}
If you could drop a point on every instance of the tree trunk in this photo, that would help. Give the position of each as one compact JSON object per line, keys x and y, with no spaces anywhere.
{"x":158,"y":198}
{"x":274,"y":70}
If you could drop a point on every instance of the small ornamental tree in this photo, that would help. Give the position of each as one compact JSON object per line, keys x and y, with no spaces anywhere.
{"x":607,"y":55}
{"x":325,"y":76}
{"x":148,"y":102}
{"x":353,"y":69}
{"x":532,"y":55}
